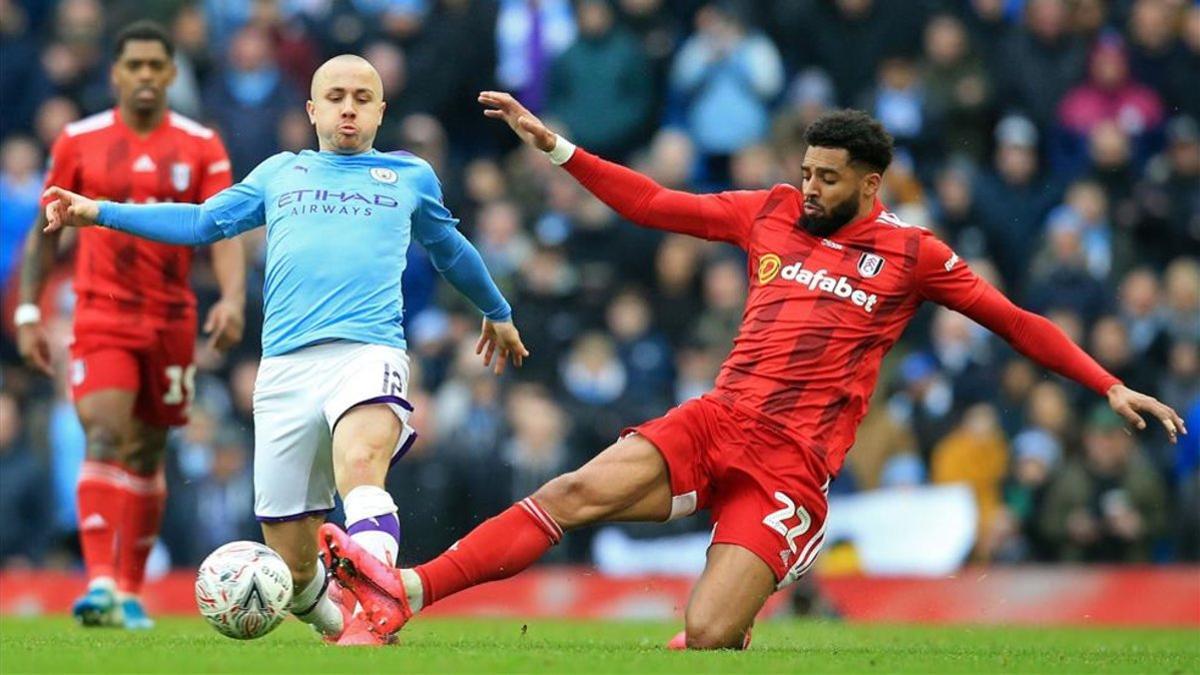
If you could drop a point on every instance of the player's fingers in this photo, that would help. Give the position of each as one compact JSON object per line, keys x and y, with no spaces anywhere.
{"x":41,"y":357}
{"x":489,"y":353}
{"x":1135,"y":420}
{"x":1164,"y":415}
{"x":211,"y":321}
{"x":494,"y":113}
{"x":502,"y":361}
{"x":481,"y":342}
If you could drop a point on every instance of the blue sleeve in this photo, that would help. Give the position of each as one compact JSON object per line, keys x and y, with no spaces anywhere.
{"x":185,"y":224}
{"x":452,"y":255}
{"x":226,"y":214}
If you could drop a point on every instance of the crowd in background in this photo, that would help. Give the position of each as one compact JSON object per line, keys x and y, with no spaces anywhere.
{"x":1053,"y":143}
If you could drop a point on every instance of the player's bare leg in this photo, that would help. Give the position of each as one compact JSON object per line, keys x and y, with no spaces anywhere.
{"x":106,"y":416}
{"x":364,"y":440}
{"x":731,"y":591}
{"x":313,"y":601}
{"x":628,"y":481}
{"x":145,"y":501}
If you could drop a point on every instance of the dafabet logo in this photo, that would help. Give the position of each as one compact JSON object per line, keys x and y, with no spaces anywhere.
{"x":771,"y":266}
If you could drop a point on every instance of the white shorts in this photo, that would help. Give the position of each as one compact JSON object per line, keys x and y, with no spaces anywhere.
{"x":298,"y":400}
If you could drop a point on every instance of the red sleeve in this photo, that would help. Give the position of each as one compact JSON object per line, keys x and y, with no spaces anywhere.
{"x":216,"y":172}
{"x":946,"y":280}
{"x":63,"y":168}
{"x":724,"y":216}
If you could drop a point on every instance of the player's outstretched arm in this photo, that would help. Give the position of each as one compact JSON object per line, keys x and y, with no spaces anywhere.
{"x":36,"y":263}
{"x":943,"y":278}
{"x":724,"y":216}
{"x":171,"y":223}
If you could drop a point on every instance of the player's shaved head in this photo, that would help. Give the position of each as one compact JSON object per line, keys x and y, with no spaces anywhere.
{"x":350,"y":68}
{"x":347,"y":104}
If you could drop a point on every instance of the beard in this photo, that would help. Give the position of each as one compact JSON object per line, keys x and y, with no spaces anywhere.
{"x":833,"y":219}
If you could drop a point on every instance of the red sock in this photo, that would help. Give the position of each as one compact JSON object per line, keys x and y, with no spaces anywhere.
{"x":497,"y":549}
{"x":100,"y":501}
{"x":145,"y":497}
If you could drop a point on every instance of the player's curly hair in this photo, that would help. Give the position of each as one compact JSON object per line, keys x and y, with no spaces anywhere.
{"x":857,"y":133}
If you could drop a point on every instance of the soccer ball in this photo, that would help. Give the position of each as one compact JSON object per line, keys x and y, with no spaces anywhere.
{"x":244,"y":589}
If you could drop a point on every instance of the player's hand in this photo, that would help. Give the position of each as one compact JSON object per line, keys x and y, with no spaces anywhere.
{"x":1129,"y":404}
{"x":502,"y":106}
{"x":67,"y":209}
{"x":224,"y":325}
{"x":502,"y":337}
{"x":34,"y":347}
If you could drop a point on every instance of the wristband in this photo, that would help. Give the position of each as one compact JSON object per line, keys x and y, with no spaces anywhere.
{"x":563,"y":150}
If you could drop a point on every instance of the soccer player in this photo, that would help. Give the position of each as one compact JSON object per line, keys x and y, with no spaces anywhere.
{"x":834,"y":279}
{"x":329,"y":404}
{"x":131,"y":371}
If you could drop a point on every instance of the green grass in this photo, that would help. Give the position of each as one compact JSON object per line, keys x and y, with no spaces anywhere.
{"x":553,"y":646}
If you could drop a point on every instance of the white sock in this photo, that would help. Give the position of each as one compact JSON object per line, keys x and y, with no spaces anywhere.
{"x":372,"y":522}
{"x":414,"y":589}
{"x":313,"y":606}
{"x":106,"y":583}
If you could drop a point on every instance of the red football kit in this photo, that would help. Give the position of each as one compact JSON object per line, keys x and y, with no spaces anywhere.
{"x":135,"y":314}
{"x":760,"y":449}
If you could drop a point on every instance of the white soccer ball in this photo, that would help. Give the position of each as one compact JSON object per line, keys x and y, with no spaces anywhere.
{"x":244,"y":590}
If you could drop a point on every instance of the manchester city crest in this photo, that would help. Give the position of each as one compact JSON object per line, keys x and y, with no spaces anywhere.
{"x":384,"y":175}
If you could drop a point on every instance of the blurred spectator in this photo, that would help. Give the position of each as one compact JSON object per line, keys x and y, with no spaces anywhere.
{"x":1139,"y":309}
{"x":975,"y":453}
{"x":848,"y":38}
{"x":900,"y":102}
{"x":21,"y":79}
{"x":643,"y":351}
{"x":727,"y":74}
{"x":1059,"y":277}
{"x":1166,"y":208}
{"x":1109,"y":505}
{"x":926,"y":401}
{"x":455,"y":55}
{"x":1153,"y":41}
{"x":1036,"y":456}
{"x":1110,"y":95}
{"x":1109,"y":345}
{"x":530,"y":34}
{"x":74,"y":63}
{"x":882,"y":435}
{"x":1182,"y":283}
{"x":23,"y":488}
{"x":1041,"y":61}
{"x":1182,"y":94}
{"x":600,"y":87}
{"x":248,"y":99}
{"x":1014,"y":198}
{"x":959,"y":90}
{"x":724,"y":298}
{"x":20,"y":196}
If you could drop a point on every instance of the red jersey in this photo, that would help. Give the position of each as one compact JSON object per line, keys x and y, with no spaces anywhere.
{"x":119,"y":276}
{"x":823,"y":311}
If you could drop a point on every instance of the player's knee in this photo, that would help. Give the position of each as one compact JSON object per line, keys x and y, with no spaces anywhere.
{"x":103,"y":441}
{"x":714,"y":634}
{"x":362,"y":460}
{"x":568,"y":499}
{"x":143,"y":456}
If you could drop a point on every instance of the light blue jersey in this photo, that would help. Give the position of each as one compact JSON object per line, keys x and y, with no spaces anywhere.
{"x":338,"y":230}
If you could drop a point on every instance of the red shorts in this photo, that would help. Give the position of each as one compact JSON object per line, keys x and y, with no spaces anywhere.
{"x":157,"y":363}
{"x":766,"y":494}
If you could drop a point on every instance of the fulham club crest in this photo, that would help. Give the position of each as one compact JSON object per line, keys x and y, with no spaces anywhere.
{"x":181,"y":176}
{"x":870,"y":265}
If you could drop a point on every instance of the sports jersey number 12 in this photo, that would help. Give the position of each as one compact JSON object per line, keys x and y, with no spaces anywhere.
{"x":775,"y":520}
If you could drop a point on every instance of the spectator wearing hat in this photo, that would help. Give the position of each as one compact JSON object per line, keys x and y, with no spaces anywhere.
{"x":1109,"y":505}
{"x":1014,"y":198}
{"x":1036,"y":456}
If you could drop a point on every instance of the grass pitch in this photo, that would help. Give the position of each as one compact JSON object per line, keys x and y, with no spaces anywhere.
{"x":553,"y":646}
